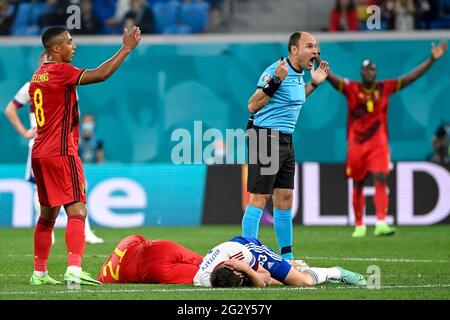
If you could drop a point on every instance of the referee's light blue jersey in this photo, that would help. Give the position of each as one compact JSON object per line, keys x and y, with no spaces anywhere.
{"x":281,"y":113}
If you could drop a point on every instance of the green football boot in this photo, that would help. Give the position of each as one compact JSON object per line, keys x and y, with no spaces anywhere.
{"x":382,"y":229}
{"x":352,"y":278}
{"x":360,"y":232}
{"x":37,"y":281}
{"x":83,"y":278}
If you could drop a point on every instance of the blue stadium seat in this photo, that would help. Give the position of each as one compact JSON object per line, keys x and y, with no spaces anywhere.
{"x":27,"y":19}
{"x":165,"y":14}
{"x":178,"y":29}
{"x":195,"y":15}
{"x":104,"y":9}
{"x":37,"y":11}
{"x":152,"y":2}
{"x":23,"y":19}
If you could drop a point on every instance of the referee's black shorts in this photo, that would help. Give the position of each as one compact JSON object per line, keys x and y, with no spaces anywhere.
{"x":257,"y":181}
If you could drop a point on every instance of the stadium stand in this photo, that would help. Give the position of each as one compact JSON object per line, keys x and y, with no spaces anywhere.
{"x":232,"y":16}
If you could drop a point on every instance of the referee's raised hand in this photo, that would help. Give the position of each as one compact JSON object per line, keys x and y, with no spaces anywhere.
{"x":282,"y":70}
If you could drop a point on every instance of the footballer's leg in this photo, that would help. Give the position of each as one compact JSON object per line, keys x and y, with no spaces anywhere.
{"x":356,"y":169}
{"x":91,"y":238}
{"x":358,"y":202}
{"x":37,"y":209}
{"x":43,"y":244}
{"x":381,"y":201}
{"x":75,"y":241}
{"x":334,"y":274}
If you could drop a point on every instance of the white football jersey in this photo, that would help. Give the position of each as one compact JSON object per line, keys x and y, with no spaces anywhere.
{"x":216,"y":257}
{"x":22,"y":98}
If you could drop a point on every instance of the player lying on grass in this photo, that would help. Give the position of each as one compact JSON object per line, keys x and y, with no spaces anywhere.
{"x":241,"y":261}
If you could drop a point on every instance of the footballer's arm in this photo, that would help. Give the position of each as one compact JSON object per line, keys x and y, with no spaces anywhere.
{"x":267,"y":277}
{"x":11,"y":114}
{"x":105,"y":70}
{"x":257,"y":279}
{"x":436,"y":53}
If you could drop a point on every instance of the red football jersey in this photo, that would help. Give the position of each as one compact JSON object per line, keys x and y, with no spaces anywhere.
{"x":53,"y":95}
{"x":367,"y":110}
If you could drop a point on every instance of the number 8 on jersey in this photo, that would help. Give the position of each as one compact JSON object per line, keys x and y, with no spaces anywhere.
{"x":39,"y":112}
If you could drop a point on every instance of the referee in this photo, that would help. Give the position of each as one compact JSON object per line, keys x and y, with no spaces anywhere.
{"x":275,"y":107}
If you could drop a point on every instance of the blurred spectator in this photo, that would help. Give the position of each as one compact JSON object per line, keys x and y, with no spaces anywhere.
{"x":404,"y":15}
{"x":90,"y":23}
{"x":387,"y":13}
{"x":55,"y":14}
{"x":343,"y":17}
{"x":140,"y":15}
{"x":441,"y":147}
{"x":7,"y":15}
{"x":426,"y":12}
{"x":361,"y":12}
{"x":122,"y":7}
{"x":217,"y":13}
{"x":90,"y":148}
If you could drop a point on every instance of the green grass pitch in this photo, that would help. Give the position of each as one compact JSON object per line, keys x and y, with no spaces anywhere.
{"x":414,"y":264}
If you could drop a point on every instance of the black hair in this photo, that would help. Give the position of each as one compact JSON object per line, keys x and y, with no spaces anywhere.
{"x":367,"y":63}
{"x":294,"y":39}
{"x":49,"y":34}
{"x":224,"y":277}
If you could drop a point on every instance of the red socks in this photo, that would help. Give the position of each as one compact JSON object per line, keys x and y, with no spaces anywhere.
{"x":42,"y":243}
{"x":358,"y":206}
{"x":381,"y":201}
{"x":75,"y":240}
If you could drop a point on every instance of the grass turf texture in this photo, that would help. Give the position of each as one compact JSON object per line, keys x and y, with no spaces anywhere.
{"x":415,"y":264}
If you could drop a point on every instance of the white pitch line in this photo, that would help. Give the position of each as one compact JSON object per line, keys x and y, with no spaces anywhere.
{"x":218,"y":289}
{"x":402,"y":260}
{"x":376,"y":259}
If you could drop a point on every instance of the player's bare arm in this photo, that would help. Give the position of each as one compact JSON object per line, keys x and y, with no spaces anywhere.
{"x":436,"y":53}
{"x":267,"y":277}
{"x":317,"y":77}
{"x":335,"y":80}
{"x":130,"y":40}
{"x":257,"y":279}
{"x":11,"y":114}
{"x":261,"y":97}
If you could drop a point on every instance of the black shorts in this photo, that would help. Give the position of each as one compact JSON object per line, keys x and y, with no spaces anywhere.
{"x":281,"y":173}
